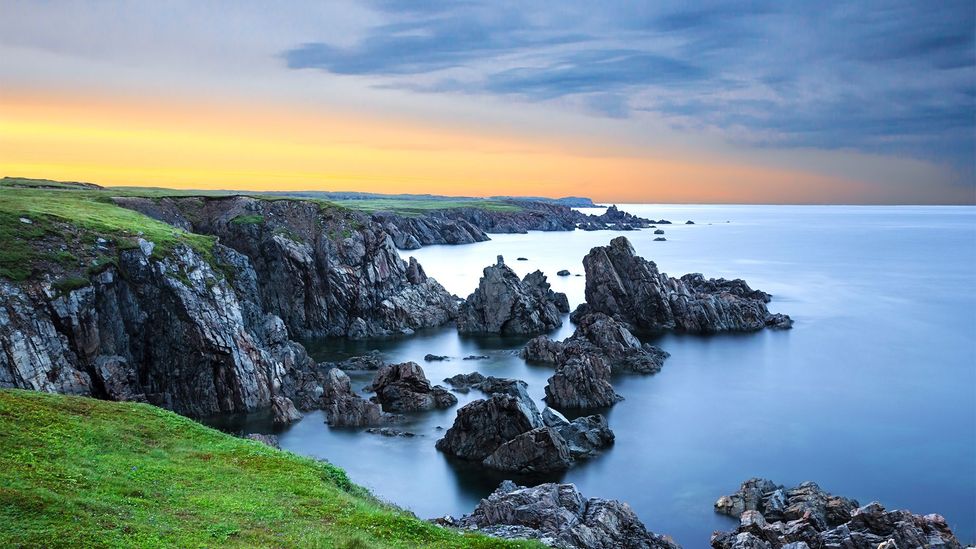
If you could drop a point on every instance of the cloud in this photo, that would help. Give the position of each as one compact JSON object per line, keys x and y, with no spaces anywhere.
{"x":891,"y":77}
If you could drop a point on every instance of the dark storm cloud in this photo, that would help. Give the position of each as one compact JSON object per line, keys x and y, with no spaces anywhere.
{"x":887,"y":77}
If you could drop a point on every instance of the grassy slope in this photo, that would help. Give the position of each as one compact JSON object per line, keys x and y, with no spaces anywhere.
{"x":418,"y":207}
{"x":79,"y":472}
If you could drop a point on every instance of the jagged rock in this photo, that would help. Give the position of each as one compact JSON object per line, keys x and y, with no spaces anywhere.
{"x":689,"y":222}
{"x":540,"y":450}
{"x":614,"y":218}
{"x":562,"y":272}
{"x":494,"y":385}
{"x":504,"y":304}
{"x":390,"y":432}
{"x":601,"y":335}
{"x":344,"y":408}
{"x":283,"y":411}
{"x":630,"y":289}
{"x":773,"y":517}
{"x":585,"y":436}
{"x":558,"y":515}
{"x":482,"y":426}
{"x":581,"y":382}
{"x":270,"y":440}
{"x":405,"y":388}
{"x":434,"y":358}
{"x":465,"y":382}
{"x":368,"y":362}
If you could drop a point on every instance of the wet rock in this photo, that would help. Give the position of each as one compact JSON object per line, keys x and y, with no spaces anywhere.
{"x":560,"y":516}
{"x":660,"y":239}
{"x":540,"y":450}
{"x":283,"y":411}
{"x":581,"y":382}
{"x":465,"y":382}
{"x":368,"y":362}
{"x":599,"y":335}
{"x":521,"y":259}
{"x":503,"y":304}
{"x":659,"y":231}
{"x":689,"y":222}
{"x":585,"y":436}
{"x":774,"y":517}
{"x":435,"y":358}
{"x":344,"y":408}
{"x":476,"y":357}
{"x":631,"y":290}
{"x":562,"y":272}
{"x":390,"y":432}
{"x":269,"y":440}
{"x":483,"y":425}
{"x":405,"y":388}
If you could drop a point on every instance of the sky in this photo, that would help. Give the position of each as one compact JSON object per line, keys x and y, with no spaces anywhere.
{"x":670,"y":101}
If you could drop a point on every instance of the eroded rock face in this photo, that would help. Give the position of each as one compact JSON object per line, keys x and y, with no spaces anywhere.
{"x":560,"y":516}
{"x":503,"y":304}
{"x":405,"y":388}
{"x":774,"y":517}
{"x":324,"y":271}
{"x":632,"y":290}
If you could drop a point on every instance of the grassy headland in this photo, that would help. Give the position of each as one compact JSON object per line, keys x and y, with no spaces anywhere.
{"x":79,"y":472}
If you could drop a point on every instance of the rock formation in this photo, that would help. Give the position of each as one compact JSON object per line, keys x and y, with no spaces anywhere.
{"x":806,"y":517}
{"x":585,"y":437}
{"x":631,"y":290}
{"x":503,"y":304}
{"x":560,"y":516}
{"x":581,"y":382}
{"x":600,"y":335}
{"x":344,"y":408}
{"x":405,"y":388}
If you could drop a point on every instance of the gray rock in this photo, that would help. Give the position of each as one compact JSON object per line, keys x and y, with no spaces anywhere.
{"x":390,"y":432}
{"x":581,"y":382}
{"x":562,"y":272}
{"x":558,"y":515}
{"x":482,"y":426}
{"x":585,"y":436}
{"x":631,"y":290}
{"x":344,"y":408}
{"x":435,"y":358}
{"x":540,"y":450}
{"x":405,"y":388}
{"x":283,"y":411}
{"x":503,"y":304}
{"x":807,"y":517}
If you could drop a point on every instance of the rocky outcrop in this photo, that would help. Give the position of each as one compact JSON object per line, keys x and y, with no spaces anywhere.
{"x":503,"y":304}
{"x":559,"y":516}
{"x":614,"y":218}
{"x":774,"y":517}
{"x":484,"y":425}
{"x":344,"y":408}
{"x":405,"y":388}
{"x":540,"y":450}
{"x":632,"y":290}
{"x":325,"y":271}
{"x":585,"y":437}
{"x":412,"y":232}
{"x":600,"y":335}
{"x":581,"y":382}
{"x":283,"y":411}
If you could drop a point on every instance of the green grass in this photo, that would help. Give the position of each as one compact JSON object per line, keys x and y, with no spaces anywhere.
{"x":79,"y":472}
{"x":90,"y":213}
{"x":248,"y":220}
{"x":419,"y":207}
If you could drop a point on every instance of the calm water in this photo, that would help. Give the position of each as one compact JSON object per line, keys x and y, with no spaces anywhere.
{"x":871,"y":394}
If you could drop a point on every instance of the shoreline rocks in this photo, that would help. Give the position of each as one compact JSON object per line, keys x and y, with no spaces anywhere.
{"x":344,"y":408}
{"x":774,"y":517}
{"x":630,"y":289}
{"x":405,"y":388}
{"x":560,"y":516}
{"x":503,"y":304}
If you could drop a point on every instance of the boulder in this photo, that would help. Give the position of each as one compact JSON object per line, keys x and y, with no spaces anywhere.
{"x":482,"y":426}
{"x":405,"y":388}
{"x":581,"y":382}
{"x":283,"y":411}
{"x":632,"y":290}
{"x":435,"y":358}
{"x":585,"y":436}
{"x":562,"y":272}
{"x":540,"y":450}
{"x":504,"y":304}
{"x":344,"y":408}
{"x":560,"y":516}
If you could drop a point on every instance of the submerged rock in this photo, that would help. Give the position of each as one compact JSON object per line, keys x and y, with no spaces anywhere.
{"x":560,"y":516}
{"x":774,"y":517}
{"x":435,"y":358}
{"x":390,"y":432}
{"x":631,"y":289}
{"x":405,"y":388}
{"x":503,"y":304}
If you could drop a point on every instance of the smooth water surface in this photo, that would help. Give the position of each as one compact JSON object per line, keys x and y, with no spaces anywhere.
{"x":871,"y":394}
